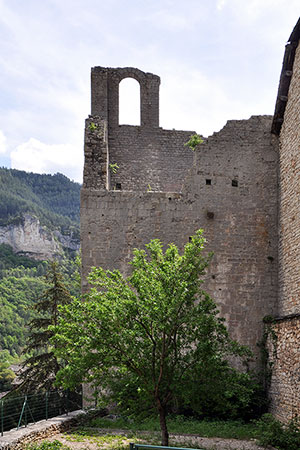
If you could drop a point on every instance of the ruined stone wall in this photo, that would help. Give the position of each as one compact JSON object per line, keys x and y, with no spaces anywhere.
{"x":105,"y":94}
{"x":115,"y":222}
{"x":152,"y":158}
{"x":238,"y":211}
{"x":230,"y":191}
{"x":289,"y":242}
{"x":96,"y":156}
{"x":145,"y":157}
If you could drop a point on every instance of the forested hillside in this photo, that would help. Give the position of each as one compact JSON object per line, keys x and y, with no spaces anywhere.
{"x":19,"y":289}
{"x":10,"y":260}
{"x":54,"y":201}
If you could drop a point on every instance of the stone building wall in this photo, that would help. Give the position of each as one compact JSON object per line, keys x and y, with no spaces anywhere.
{"x":230,"y":190}
{"x":96,"y":157}
{"x":152,"y":158}
{"x":284,"y":390}
{"x":241,"y":163}
{"x":289,"y":242}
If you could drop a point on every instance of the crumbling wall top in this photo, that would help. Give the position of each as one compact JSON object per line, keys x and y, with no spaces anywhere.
{"x":124,"y":72}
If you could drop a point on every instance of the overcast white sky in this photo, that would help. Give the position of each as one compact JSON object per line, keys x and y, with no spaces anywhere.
{"x":217,"y":59}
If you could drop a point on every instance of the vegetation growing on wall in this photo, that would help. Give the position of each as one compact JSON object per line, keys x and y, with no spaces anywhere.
{"x":194,"y":140}
{"x":267,"y":343}
{"x":114,"y":167}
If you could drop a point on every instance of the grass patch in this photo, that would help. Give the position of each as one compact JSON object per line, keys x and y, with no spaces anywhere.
{"x":102,"y":440}
{"x":267,"y":430}
{"x":182,"y":425}
{"x":47,"y":445}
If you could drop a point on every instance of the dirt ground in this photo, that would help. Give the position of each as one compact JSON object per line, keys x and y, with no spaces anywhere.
{"x":116,"y":439}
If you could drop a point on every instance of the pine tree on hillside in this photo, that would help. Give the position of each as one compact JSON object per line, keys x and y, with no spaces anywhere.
{"x":41,"y":368}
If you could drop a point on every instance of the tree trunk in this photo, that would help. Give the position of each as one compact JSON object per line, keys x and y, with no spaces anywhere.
{"x":163,"y":426}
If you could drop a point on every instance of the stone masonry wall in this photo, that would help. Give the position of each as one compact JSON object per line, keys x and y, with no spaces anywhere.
{"x":96,"y":173}
{"x":21,"y":438}
{"x":240,"y":165}
{"x":105,"y":94}
{"x":285,"y":388}
{"x":231,"y":192}
{"x":149,"y":158}
{"x":289,"y":243}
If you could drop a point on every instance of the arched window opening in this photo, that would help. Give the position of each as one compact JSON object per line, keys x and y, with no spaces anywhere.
{"x":129,"y":102}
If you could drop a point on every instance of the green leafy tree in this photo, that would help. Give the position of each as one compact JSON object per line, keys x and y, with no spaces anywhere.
{"x":6,"y":374}
{"x":71,"y":271}
{"x":41,"y":367}
{"x":157,"y":327}
{"x":19,"y":289}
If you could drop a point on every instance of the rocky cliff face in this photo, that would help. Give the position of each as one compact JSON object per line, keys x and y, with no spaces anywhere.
{"x":35,"y":241}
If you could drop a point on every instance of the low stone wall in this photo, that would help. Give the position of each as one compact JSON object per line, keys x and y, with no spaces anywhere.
{"x":285,"y":387}
{"x":18,"y":439}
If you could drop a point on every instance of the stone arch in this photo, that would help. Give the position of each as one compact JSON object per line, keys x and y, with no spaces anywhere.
{"x":105,"y":94}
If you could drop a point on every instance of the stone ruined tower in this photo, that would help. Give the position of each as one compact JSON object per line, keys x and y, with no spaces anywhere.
{"x":148,"y":159}
{"x":146,"y":155}
{"x":228,"y":187}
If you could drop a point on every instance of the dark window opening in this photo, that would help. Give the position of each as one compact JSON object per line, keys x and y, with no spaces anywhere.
{"x":208,"y":182}
{"x":234,"y":183}
{"x":118,"y":186}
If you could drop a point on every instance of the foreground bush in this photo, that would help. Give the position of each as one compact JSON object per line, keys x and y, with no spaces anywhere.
{"x":272,"y":432}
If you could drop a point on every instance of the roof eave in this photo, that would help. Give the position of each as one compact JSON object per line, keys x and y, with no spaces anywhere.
{"x":285,"y":78}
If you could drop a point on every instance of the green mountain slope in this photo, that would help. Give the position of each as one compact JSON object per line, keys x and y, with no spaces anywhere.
{"x":54,"y":199}
{"x":11,"y":260}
